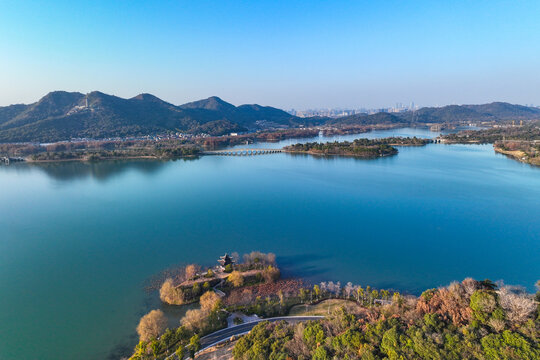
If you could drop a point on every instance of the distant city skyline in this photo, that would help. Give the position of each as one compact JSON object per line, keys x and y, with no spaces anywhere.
{"x":290,"y":55}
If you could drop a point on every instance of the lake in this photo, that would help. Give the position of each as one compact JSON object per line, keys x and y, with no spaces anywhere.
{"x":79,"y":241}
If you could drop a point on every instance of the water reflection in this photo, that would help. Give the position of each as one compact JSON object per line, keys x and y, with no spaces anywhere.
{"x":337,"y":158}
{"x":101,"y":170}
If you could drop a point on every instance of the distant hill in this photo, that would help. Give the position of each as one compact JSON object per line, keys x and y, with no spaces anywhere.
{"x":249,"y":115}
{"x":365,"y":119}
{"x":63,"y":115}
{"x":496,"y":111}
{"x":213,"y":103}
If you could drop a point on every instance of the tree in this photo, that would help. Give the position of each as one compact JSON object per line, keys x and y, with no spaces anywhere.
{"x":169,"y":294}
{"x":375,"y":294}
{"x":228,"y":268}
{"x":194,"y":319}
{"x":192,"y":270}
{"x":317,"y":291}
{"x":194,"y":344}
{"x":281,"y":298}
{"x":349,"y":288}
{"x":196,"y":289}
{"x":180,"y":352}
{"x":483,"y":303}
{"x":235,"y":257}
{"x":360,"y":294}
{"x":303,"y":294}
{"x":271,"y":274}
{"x":236,"y":279}
{"x":320,"y":354}
{"x":151,"y":325}
{"x":518,"y":307}
{"x":209,"y":301}
{"x":257,"y":257}
{"x":397,"y":299}
{"x":154,"y":345}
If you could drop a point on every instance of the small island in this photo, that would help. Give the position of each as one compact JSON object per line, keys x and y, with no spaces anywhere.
{"x":361,"y":148}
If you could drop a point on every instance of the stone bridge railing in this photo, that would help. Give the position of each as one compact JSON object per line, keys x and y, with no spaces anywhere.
{"x":242,"y":152}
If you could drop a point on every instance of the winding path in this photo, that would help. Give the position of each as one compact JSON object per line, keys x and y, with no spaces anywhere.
{"x":223,"y":335}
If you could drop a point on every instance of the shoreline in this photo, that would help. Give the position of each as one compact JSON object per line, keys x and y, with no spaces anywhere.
{"x":517,"y":155}
{"x":142,"y":157}
{"x":317,"y":154}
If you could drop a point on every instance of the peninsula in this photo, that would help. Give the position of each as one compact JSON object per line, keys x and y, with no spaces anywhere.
{"x":519,"y":141}
{"x":246,"y":312}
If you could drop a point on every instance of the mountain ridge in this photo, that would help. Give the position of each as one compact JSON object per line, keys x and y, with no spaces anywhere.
{"x":62,"y":115}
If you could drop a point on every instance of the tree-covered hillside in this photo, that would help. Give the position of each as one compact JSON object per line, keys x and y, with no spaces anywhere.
{"x":62,"y":116}
{"x":497,"y":111}
{"x":468,"y":320}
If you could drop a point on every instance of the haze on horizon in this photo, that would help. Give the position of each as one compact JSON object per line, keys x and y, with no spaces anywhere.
{"x":287,"y":54}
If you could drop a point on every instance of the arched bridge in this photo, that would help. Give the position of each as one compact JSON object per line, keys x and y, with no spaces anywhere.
{"x":241,"y":152}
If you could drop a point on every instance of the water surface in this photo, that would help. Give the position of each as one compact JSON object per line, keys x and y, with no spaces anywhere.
{"x":79,"y":240}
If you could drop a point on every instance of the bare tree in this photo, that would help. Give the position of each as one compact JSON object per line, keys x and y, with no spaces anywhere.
{"x":194,"y":319}
{"x":192,"y":270}
{"x":257,"y":257}
{"x":518,"y":306}
{"x":151,"y":325}
{"x":236,"y":279}
{"x":271,"y":274}
{"x":349,"y":288}
{"x":169,"y":294}
{"x":324,"y":287}
{"x":209,"y":301}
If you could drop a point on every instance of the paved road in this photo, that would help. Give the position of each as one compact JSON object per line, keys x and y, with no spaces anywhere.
{"x":225,"y":334}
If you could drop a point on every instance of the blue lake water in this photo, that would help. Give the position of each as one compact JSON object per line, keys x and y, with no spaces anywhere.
{"x":79,"y":240}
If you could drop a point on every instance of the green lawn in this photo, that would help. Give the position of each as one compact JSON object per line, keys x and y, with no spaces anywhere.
{"x":324,"y":307}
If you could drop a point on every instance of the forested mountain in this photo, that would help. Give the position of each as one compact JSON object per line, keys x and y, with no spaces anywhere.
{"x":249,"y":115}
{"x":62,"y":115}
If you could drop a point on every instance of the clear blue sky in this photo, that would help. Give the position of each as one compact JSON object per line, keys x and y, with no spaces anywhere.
{"x":289,"y":54}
